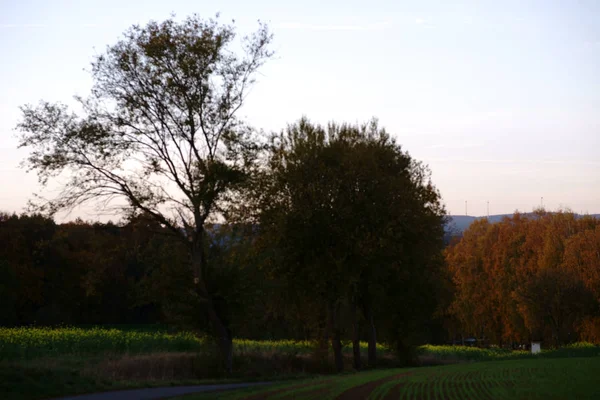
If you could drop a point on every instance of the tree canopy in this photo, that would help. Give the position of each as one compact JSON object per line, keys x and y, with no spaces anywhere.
{"x":349,"y":218}
{"x":158,"y":134}
{"x":529,"y":277}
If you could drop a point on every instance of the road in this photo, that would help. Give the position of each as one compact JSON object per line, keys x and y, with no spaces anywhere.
{"x":159,"y":393}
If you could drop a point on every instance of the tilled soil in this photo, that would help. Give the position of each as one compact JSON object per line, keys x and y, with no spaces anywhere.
{"x":277,"y":392}
{"x":363,"y":391}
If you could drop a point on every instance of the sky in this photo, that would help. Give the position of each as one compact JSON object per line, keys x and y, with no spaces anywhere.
{"x":500,"y":98}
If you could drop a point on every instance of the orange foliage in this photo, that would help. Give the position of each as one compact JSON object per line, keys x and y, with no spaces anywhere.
{"x":528,"y":277}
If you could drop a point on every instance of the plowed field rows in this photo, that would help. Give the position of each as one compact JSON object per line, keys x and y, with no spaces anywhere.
{"x":574,"y":378}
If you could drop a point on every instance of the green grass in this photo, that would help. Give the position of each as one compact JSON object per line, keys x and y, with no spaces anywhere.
{"x":540,"y":378}
{"x":38,"y":381}
{"x":51,"y":377}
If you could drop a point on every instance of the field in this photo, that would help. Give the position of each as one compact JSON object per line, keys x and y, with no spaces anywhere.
{"x":28,"y":343}
{"x":560,"y":378}
{"x":441,"y":354}
{"x":37,"y":363}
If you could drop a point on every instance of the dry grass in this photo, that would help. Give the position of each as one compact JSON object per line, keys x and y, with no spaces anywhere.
{"x":170,"y":366}
{"x":149,"y":367}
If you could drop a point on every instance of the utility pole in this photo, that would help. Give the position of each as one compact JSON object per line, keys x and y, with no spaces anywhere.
{"x":466,"y":213}
{"x":542,"y":201}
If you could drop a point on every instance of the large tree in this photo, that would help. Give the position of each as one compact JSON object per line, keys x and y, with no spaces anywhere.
{"x":158,"y":134}
{"x":348,"y":218}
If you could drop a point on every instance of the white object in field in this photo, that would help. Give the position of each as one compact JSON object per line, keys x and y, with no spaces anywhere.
{"x":536,"y":347}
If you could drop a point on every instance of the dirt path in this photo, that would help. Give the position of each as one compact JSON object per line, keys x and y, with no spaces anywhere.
{"x":363,"y":391}
{"x":276,"y":392}
{"x":160,"y":393}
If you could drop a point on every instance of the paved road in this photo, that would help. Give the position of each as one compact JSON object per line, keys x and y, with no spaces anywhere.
{"x":159,"y":393}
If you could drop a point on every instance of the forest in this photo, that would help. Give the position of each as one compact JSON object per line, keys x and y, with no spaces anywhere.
{"x":527,"y":278}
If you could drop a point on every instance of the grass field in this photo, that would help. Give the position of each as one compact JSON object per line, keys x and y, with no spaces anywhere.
{"x":542,"y":378}
{"x":37,"y":363}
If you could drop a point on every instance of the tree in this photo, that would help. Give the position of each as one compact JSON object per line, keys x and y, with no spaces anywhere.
{"x":554,"y":300}
{"x":344,"y":214}
{"x":466,"y":263}
{"x":528,"y":276}
{"x":582,"y":256}
{"x":158,"y":134}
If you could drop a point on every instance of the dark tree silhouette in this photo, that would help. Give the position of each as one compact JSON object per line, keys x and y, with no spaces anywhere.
{"x":158,"y":135}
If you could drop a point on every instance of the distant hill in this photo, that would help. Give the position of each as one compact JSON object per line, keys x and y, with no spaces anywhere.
{"x":460,"y":223}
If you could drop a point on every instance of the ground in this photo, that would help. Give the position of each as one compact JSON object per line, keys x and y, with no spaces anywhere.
{"x":565,"y":378}
{"x":42,"y":363}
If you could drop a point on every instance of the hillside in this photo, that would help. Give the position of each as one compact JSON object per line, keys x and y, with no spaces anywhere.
{"x":459,"y":223}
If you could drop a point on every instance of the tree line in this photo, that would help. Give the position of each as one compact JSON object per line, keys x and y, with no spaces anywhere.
{"x":529,"y":277}
{"x":339,"y":238}
{"x":332,"y":233}
{"x":332,"y":228}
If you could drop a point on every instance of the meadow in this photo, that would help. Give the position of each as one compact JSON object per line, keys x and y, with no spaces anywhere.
{"x":38,"y":363}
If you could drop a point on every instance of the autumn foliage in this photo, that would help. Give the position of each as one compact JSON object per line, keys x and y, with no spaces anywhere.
{"x":529,"y":277}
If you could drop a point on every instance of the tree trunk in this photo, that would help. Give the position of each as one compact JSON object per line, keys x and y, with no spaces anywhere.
{"x":355,"y":339}
{"x":336,"y":341}
{"x":372,"y":357}
{"x":221,"y":332}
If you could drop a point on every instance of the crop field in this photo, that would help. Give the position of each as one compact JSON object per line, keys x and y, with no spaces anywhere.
{"x":541,"y":378}
{"x":27,"y":343}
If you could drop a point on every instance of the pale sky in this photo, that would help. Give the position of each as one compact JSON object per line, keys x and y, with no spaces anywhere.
{"x":500,"y":98}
